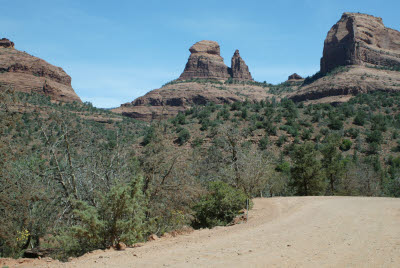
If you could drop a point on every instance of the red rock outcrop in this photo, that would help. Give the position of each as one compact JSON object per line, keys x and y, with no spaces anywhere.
{"x":27,"y":73}
{"x":4,"y":42}
{"x":360,"y":39}
{"x":205,"y":62}
{"x":239,"y":69}
{"x":369,"y":54}
{"x":295,"y":77}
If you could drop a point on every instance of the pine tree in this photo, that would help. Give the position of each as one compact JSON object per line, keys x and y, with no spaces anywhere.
{"x":307,"y":176}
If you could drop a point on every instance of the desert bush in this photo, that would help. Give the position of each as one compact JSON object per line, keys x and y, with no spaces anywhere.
{"x":118,"y":217}
{"x":183,"y":136}
{"x":219,"y":206}
{"x":345,"y":145}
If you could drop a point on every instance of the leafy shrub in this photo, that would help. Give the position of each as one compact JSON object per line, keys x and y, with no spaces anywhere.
{"x":149,"y":136}
{"x":117,"y":218}
{"x":373,"y":148}
{"x":359,"y":119}
{"x":346,"y":145}
{"x":180,"y":119}
{"x":352,"y":132}
{"x":219,"y":206}
{"x":263,"y":143}
{"x":197,"y":142}
{"x":375,"y":137}
{"x":335,"y":124}
{"x":183,"y":136}
{"x":282,"y":139}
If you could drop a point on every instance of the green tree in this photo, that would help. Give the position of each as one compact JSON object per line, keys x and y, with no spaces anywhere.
{"x":332,"y":163}
{"x":306,"y":173}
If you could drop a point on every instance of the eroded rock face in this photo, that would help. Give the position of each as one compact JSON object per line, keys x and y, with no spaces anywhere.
{"x":205,"y":62}
{"x":239,"y":69}
{"x":27,"y":73}
{"x":4,"y":42}
{"x":361,"y":43}
{"x":360,"y":39}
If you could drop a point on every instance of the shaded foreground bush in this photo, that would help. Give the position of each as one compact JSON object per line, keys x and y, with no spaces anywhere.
{"x":119,"y":217}
{"x":219,"y":206}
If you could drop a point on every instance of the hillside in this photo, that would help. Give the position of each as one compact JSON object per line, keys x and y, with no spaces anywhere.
{"x":22,"y":72}
{"x":82,"y":163}
{"x":283,"y":232}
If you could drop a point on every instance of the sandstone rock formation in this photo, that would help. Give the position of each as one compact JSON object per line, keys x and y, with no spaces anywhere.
{"x":295,"y":77}
{"x":205,"y":62}
{"x":27,"y":73}
{"x":369,"y":54}
{"x":360,"y":39}
{"x":239,"y":69}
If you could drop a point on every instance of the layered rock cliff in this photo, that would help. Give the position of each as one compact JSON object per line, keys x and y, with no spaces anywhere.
{"x":360,"y":39}
{"x":205,"y":62}
{"x":360,"y":55}
{"x":26,"y":73}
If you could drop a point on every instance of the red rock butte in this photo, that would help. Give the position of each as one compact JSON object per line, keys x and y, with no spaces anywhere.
{"x":205,"y":62}
{"x":360,"y":39}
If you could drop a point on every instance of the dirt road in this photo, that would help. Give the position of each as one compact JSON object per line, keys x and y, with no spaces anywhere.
{"x":281,"y":232}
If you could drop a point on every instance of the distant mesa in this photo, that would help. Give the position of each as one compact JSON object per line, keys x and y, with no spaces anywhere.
{"x":23,"y":72}
{"x":360,"y":39}
{"x":295,"y":77}
{"x":4,"y":42}
{"x":205,"y":62}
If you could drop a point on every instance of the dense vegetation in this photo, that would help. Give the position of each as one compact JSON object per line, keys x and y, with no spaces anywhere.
{"x":75,"y":178}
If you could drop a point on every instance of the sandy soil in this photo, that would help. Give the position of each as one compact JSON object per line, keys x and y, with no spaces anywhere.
{"x":281,"y":232}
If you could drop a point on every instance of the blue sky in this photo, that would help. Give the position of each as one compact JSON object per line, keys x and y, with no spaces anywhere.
{"x":116,"y":51}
